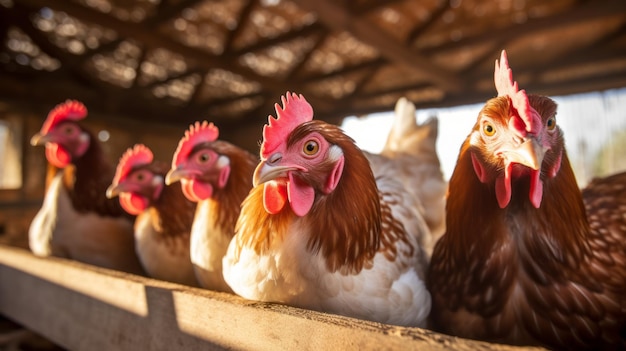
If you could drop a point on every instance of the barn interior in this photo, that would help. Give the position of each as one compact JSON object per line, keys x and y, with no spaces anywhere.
{"x":147,"y":69}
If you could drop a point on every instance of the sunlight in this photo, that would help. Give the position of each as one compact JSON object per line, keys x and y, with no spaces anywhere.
{"x":590,"y":122}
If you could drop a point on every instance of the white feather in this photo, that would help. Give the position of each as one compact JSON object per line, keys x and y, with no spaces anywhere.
{"x":208,"y":247}
{"x":163,"y":258}
{"x":59,"y":230}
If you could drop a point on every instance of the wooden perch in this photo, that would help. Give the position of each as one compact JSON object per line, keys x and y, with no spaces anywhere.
{"x":81,"y":307}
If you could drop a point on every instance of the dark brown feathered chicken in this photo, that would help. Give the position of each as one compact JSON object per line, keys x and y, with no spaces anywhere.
{"x":526,"y":258}
{"x":76,"y":220}
{"x":164,"y":215}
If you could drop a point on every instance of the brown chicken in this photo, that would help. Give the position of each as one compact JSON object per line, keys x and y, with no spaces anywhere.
{"x":76,"y":219}
{"x":217,"y":175}
{"x":164,"y":215}
{"x":323,"y":230}
{"x":526,"y":258}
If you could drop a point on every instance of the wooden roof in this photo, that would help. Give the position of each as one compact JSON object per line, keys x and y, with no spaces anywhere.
{"x":177,"y":61}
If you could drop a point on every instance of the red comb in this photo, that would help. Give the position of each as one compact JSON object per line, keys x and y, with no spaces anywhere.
{"x":295,"y":111}
{"x":503,"y":78}
{"x":69,"y":110}
{"x":133,"y":157}
{"x":197,"y":132}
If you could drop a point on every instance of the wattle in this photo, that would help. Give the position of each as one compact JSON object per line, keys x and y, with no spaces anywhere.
{"x":133,"y":204}
{"x":57,"y":155}
{"x":299,"y":194}
{"x":196,"y":191}
{"x":274,"y":196}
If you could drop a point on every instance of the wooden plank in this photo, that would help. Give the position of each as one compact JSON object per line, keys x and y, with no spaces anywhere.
{"x":81,"y":307}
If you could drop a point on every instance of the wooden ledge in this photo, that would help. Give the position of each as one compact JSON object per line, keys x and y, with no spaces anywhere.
{"x":81,"y":307}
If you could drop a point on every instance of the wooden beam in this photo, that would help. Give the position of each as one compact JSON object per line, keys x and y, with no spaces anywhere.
{"x":590,"y":10}
{"x":165,"y":12}
{"x":244,"y":17}
{"x":312,"y":28}
{"x":69,"y":63}
{"x":81,"y":307}
{"x":147,"y":36}
{"x":339,"y":19}
{"x":434,"y":16}
{"x":168,"y":11}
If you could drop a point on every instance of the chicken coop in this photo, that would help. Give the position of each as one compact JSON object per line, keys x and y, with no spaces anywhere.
{"x":148,"y":69}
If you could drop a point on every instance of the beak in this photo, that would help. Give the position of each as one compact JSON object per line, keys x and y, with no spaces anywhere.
{"x":40,"y":139}
{"x":265,"y":172}
{"x":114,"y":190}
{"x":530,"y":154}
{"x":175,"y":175}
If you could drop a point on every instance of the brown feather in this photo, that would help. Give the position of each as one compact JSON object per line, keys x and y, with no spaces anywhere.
{"x":171,"y":213}
{"x":226,"y":202}
{"x":87,"y":179}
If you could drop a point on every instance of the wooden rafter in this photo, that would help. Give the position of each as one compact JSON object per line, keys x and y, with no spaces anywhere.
{"x":586,"y":12}
{"x":166,"y":12}
{"x":146,"y":36}
{"x":241,"y":23}
{"x":339,"y":19}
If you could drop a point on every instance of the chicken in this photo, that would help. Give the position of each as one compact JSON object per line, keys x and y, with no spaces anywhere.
{"x":218,"y":176}
{"x":76,"y":219}
{"x":164,"y":215}
{"x":526,"y":259}
{"x":413,"y":147}
{"x":321,"y":231}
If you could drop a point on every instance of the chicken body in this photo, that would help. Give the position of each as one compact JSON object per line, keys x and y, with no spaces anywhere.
{"x":347,"y":242}
{"x":410,"y":153}
{"x":522,"y":261}
{"x":164,"y":216}
{"x":217,"y":175}
{"x":76,"y":220}
{"x":59,"y":229}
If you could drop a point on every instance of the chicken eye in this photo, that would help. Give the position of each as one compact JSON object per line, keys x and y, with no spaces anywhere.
{"x":140,"y":176}
{"x":551,"y":123}
{"x":311,"y":147}
{"x":489,"y":129}
{"x":204,"y":157}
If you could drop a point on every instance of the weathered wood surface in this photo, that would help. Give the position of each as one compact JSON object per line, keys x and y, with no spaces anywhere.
{"x":81,"y":307}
